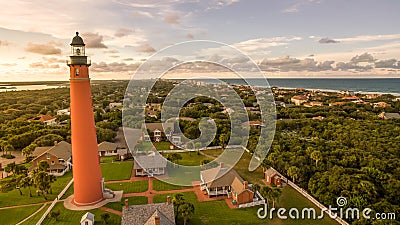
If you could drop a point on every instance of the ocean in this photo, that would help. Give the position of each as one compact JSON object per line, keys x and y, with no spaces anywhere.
{"x":373,"y":85}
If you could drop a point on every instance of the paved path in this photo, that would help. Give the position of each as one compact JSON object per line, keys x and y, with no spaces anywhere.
{"x":19,"y":206}
{"x":113,"y":211}
{"x":150,"y":193}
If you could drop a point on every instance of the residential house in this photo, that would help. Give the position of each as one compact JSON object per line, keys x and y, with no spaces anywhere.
{"x":351,"y":98}
{"x":273,"y":177}
{"x":150,"y":214}
{"x":312,"y":104}
{"x":59,"y":157}
{"x":157,"y":131}
{"x":388,"y":116}
{"x":299,"y":99}
{"x":115,"y":105}
{"x":62,"y":112}
{"x":225,"y":181}
{"x":112,"y":149}
{"x":336,"y":103}
{"x":87,"y":219}
{"x":320,"y":118}
{"x":151,"y":164}
{"x":382,"y":105}
{"x":46,"y":119}
{"x":255,"y":124}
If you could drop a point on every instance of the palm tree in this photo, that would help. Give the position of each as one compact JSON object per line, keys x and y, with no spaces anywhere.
{"x":186,"y":210}
{"x":293,"y":172}
{"x":27,"y":182}
{"x":178,"y":200}
{"x":256,"y":187}
{"x":317,"y":156}
{"x":274,"y":195}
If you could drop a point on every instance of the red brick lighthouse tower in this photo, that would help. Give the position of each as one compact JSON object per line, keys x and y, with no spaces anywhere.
{"x":88,"y":187}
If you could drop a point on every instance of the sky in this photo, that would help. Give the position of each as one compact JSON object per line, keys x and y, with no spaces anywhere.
{"x":284,"y":38}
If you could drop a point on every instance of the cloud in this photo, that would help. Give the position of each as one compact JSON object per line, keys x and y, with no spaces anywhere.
{"x":172,"y":18}
{"x":122,"y":32}
{"x":146,"y":48}
{"x":327,"y":41}
{"x":295,"y":8}
{"x":264,"y":43}
{"x":288,"y":63}
{"x":363,"y":58}
{"x":54,"y":60}
{"x":43,"y":49}
{"x":128,"y":59}
{"x":111,"y":51}
{"x":343,"y":66}
{"x":93,"y":40}
{"x":389,"y":63}
{"x":363,"y":38}
{"x":4,"y":43}
{"x":40,"y":65}
{"x":114,"y":67}
{"x":8,"y":64}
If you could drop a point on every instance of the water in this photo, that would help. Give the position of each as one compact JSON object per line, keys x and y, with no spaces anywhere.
{"x":4,"y":88}
{"x":376,"y":85}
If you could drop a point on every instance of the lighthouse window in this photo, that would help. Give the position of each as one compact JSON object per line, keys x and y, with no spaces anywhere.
{"x":77,"y":72}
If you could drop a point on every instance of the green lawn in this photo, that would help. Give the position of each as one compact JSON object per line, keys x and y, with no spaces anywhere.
{"x":117,"y":170}
{"x":14,"y":198}
{"x":130,"y":187}
{"x":162,"y":145}
{"x":33,"y":220}
{"x":136,"y":200}
{"x":107,"y":159}
{"x":15,"y":215}
{"x":162,"y":186}
{"x":217,"y":212}
{"x":68,"y":217}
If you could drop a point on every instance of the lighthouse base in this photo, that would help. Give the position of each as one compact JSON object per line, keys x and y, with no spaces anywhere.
{"x":70,"y":204}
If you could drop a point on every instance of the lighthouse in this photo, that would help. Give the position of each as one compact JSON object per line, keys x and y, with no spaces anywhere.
{"x":88,"y":184}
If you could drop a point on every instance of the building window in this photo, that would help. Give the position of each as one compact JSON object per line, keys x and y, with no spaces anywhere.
{"x":47,"y":156}
{"x":77,"y":72}
{"x":52,"y":162}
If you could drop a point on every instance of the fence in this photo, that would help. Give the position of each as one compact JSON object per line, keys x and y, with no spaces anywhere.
{"x":312,"y":199}
{"x":54,"y":202}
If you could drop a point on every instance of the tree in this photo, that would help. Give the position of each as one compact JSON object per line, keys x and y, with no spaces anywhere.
{"x":223,"y":139}
{"x":316,"y":156}
{"x":293,"y":172}
{"x":256,"y":187}
{"x":105,"y":217}
{"x":186,"y":211}
{"x":204,"y":162}
{"x":274,"y":195}
{"x":27,"y":151}
{"x":55,"y":214}
{"x":7,"y":148}
{"x":41,"y":179}
{"x":178,"y":200}
{"x":26,"y":182}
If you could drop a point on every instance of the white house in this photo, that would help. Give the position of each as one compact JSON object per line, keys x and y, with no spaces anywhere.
{"x":87,"y":219}
{"x":63,"y":112}
{"x":152,"y":164}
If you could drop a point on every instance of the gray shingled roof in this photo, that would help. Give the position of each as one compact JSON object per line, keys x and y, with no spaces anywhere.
{"x":158,"y":126}
{"x":141,"y":214}
{"x":220,"y":176}
{"x":163,"y":219}
{"x":62,"y":150}
{"x":88,"y":216}
{"x":154,"y":160}
{"x":107,"y":146}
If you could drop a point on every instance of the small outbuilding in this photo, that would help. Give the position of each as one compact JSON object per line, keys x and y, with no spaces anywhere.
{"x":87,"y":219}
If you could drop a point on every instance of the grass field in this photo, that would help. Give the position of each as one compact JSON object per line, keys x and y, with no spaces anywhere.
{"x":117,"y":170}
{"x":15,"y":215}
{"x":162,"y":145}
{"x":14,"y":198}
{"x":129,"y":187}
{"x":68,"y":217}
{"x":33,"y":220}
{"x":162,"y":186}
{"x":218,"y":212}
{"x":107,"y":159}
{"x":136,"y":200}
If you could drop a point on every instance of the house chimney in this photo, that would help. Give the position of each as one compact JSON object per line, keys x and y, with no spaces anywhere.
{"x":126,"y":203}
{"x":168,"y":200}
{"x":55,"y":143}
{"x":157,"y":220}
{"x":245,"y":184}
